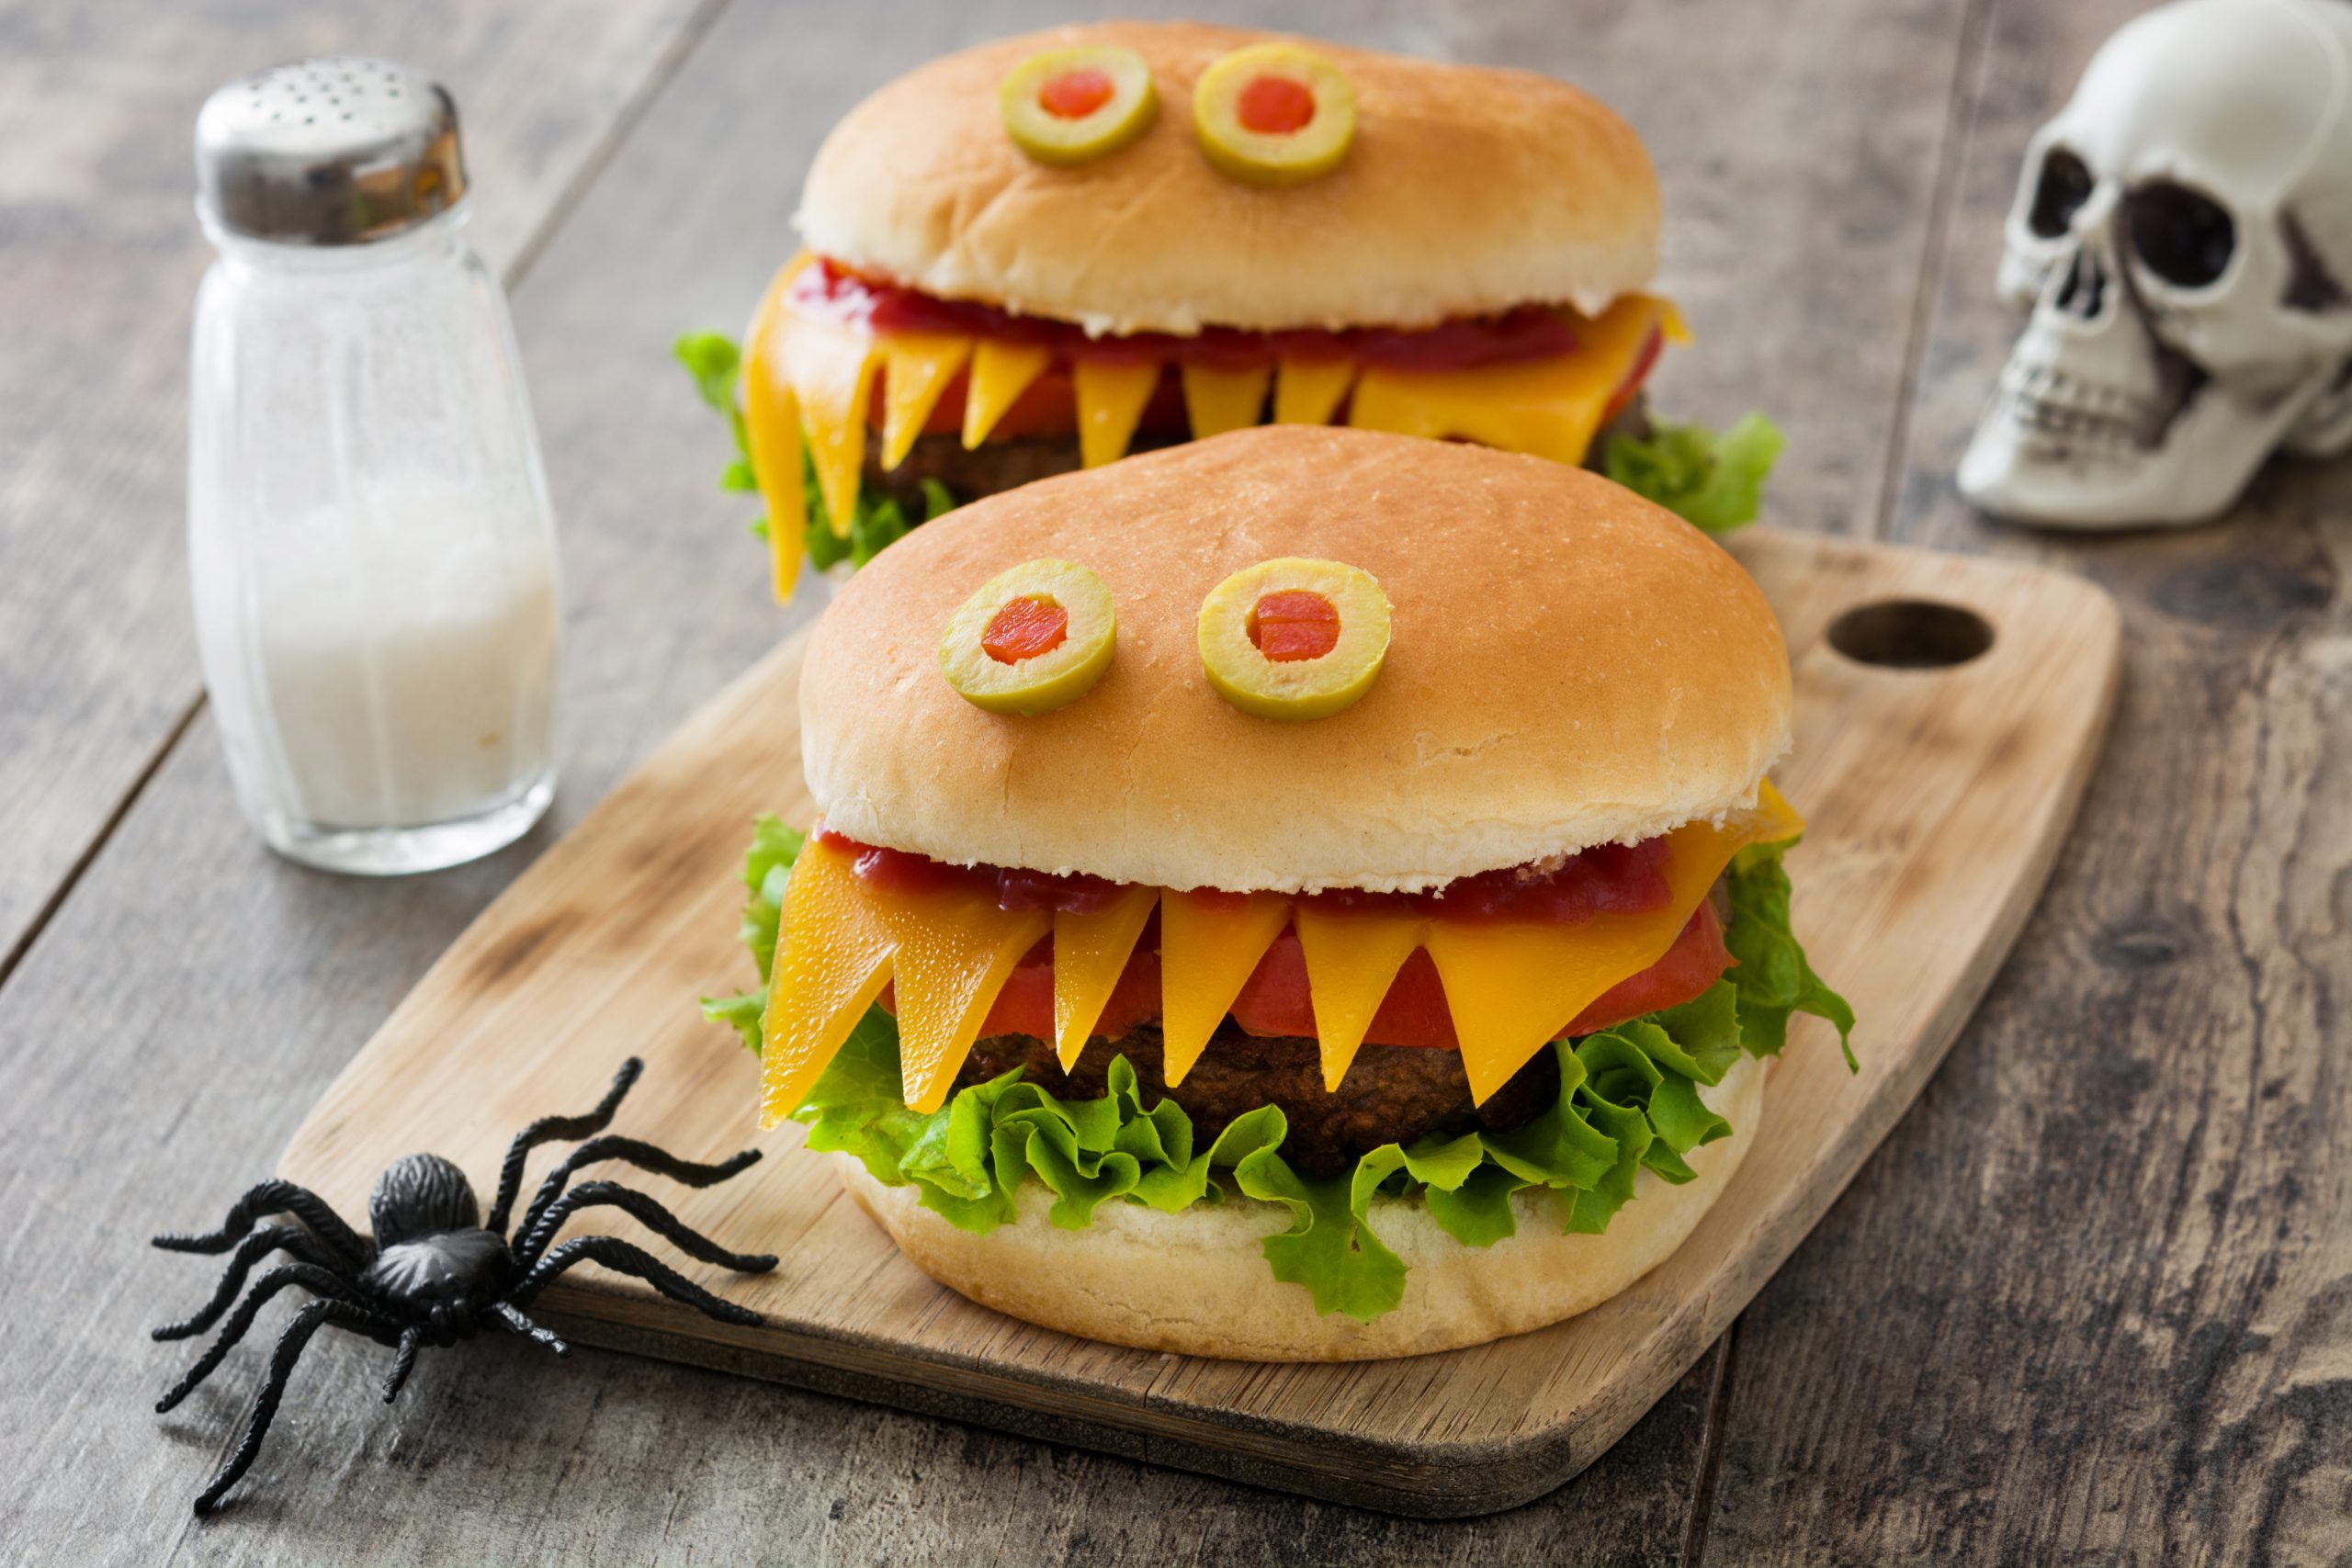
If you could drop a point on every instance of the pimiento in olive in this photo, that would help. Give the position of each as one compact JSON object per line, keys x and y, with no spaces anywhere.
{"x":1071,"y":106}
{"x":1032,"y":639}
{"x":1274,"y":114}
{"x":1294,"y":639}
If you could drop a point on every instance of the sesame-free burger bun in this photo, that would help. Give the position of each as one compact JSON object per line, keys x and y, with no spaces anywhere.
{"x":1568,"y":664}
{"x":1466,"y":191}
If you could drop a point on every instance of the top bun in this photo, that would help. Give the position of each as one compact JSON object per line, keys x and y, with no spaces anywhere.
{"x":1467,"y":191}
{"x":1568,"y":665}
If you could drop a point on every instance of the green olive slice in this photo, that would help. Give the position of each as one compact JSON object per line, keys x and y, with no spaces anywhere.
{"x":1274,"y":114}
{"x":1032,"y":639}
{"x":1295,"y":638}
{"x":1071,"y":106}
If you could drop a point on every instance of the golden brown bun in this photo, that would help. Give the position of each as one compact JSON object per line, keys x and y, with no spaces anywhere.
{"x":1569,"y":665}
{"x":1467,"y":191}
{"x":1195,"y":1282}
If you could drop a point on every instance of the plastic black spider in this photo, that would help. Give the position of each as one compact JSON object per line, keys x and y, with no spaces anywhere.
{"x":434,"y":1273}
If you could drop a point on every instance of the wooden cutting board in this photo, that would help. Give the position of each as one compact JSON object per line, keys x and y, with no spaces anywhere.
{"x":1938,"y":793}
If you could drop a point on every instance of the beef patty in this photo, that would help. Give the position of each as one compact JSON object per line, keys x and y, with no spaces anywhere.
{"x":996,"y":466}
{"x":1392,"y":1093}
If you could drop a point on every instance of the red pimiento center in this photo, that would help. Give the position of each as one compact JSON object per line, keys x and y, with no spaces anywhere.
{"x":1074,"y":95}
{"x":1275,"y":105}
{"x":1024,"y":628}
{"x":1295,"y":624}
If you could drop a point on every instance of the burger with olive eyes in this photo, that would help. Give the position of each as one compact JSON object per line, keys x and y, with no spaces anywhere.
{"x":1300,"y":895}
{"x":1050,"y":251}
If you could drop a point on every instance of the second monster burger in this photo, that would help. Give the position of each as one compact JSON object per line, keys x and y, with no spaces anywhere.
{"x":1052,"y":250}
{"x":1300,"y":895}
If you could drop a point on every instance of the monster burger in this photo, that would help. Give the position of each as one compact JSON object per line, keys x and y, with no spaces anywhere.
{"x":1299,"y":895}
{"x":1052,"y":250}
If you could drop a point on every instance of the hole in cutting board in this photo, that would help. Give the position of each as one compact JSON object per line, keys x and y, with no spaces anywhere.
{"x":1910,"y":634}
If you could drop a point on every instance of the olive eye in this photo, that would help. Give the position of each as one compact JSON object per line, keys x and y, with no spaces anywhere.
{"x":1032,"y":639}
{"x":1274,"y":114}
{"x":1294,"y":639}
{"x":2065,"y":184}
{"x":2184,"y":237}
{"x":1071,"y":106}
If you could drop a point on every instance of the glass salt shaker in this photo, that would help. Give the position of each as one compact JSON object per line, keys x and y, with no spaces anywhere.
{"x":370,"y":546}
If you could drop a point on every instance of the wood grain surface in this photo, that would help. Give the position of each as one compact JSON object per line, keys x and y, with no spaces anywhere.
{"x":2088,"y":1305}
{"x":1938,"y":796}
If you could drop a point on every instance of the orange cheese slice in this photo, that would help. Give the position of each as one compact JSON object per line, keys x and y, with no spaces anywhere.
{"x":772,"y":431}
{"x":1207,"y":949}
{"x":831,"y":366}
{"x":1548,"y":407}
{"x":916,"y":368}
{"x":1308,"y":392}
{"x":1218,"y":400}
{"x":1090,"y":952}
{"x":1352,"y":960}
{"x":833,"y":958}
{"x":1110,"y":399}
{"x":955,"y":953}
{"x":1511,"y":986}
{"x":1001,"y":372}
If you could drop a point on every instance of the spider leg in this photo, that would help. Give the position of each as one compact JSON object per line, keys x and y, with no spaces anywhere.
{"x":277,"y":1239}
{"x":290,"y":1345}
{"x":311,"y":1278}
{"x":546,"y":1130}
{"x":404,"y":1362}
{"x":660,"y":1220}
{"x":276,"y":1198}
{"x":516,"y":1323}
{"x":641,"y":1154}
{"x":622,"y":1259}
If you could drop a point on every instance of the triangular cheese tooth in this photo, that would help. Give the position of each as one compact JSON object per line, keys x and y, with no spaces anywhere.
{"x":1353,"y":958}
{"x":1208,"y":948}
{"x":772,"y":431}
{"x":1110,"y":399}
{"x":1309,"y":392}
{"x":833,"y":958}
{"x":916,"y":368}
{"x":1217,"y":401}
{"x":832,"y":369}
{"x":1001,"y":371}
{"x":1090,"y":952}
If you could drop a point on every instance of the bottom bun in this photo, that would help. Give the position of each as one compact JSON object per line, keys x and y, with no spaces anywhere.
{"x":1197,"y":1283}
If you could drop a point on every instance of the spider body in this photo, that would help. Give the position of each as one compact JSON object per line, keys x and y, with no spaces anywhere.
{"x":435,"y":1270}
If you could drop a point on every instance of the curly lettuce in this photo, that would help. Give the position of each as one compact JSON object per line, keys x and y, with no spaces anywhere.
{"x":1711,"y":482}
{"x":1628,"y":1100}
{"x":716,"y":363}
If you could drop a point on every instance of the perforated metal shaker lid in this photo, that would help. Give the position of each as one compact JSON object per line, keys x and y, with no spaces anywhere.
{"x":341,"y":149}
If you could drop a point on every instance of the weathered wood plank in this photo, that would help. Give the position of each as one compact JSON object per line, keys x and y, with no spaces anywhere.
{"x":101,"y":252}
{"x":2094,"y":1301}
{"x":137,"y":1096}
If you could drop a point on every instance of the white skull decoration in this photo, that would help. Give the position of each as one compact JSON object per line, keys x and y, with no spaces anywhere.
{"x":2183,"y":232}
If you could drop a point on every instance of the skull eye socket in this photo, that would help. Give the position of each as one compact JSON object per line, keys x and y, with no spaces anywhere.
{"x":2183,"y":237}
{"x":2065,"y":184}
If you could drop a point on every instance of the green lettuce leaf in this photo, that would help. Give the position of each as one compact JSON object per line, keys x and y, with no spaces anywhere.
{"x":716,"y":363}
{"x":1775,"y":979}
{"x":1628,"y":1100}
{"x":1711,"y":482}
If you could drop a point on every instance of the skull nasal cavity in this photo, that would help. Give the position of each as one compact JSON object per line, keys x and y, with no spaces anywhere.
{"x":2083,"y":293}
{"x":2064,"y":186}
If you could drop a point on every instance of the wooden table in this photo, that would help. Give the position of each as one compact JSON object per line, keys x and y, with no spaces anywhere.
{"x":2092,"y":1300}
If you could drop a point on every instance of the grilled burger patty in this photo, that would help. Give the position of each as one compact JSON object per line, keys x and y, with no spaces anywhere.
{"x":1392,"y":1093}
{"x":995,"y":465}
